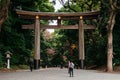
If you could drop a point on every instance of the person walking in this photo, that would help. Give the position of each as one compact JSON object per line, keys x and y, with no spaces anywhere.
{"x":71,"y":67}
{"x":31,"y":64}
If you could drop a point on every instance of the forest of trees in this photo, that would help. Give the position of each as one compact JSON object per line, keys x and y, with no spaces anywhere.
{"x":101,"y":44}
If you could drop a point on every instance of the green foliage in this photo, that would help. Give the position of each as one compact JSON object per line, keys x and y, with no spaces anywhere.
{"x":116,"y":39}
{"x":96,"y":52}
{"x":57,"y":59}
{"x":61,"y":42}
{"x":44,"y":5}
{"x":44,"y":54}
{"x":13,"y":38}
{"x":1,"y":61}
{"x":81,"y":5}
{"x":20,"y":67}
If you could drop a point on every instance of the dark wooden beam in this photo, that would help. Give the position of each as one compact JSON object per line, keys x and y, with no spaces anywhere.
{"x":31,"y":13}
{"x":58,"y":27}
{"x":55,"y":15}
{"x":62,"y":18}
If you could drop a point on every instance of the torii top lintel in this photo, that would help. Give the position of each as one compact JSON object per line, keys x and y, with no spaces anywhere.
{"x":57,"y":15}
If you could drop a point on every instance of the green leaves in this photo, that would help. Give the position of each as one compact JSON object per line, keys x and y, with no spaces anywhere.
{"x":12,"y":37}
{"x":44,"y":6}
{"x":1,"y":62}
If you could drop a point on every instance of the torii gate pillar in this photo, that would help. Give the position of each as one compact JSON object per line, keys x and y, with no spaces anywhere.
{"x":81,"y":43}
{"x":37,"y":44}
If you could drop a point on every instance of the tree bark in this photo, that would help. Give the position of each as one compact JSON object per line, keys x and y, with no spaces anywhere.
{"x":111,"y":23}
{"x":109,"y":52}
{"x":4,"y":12}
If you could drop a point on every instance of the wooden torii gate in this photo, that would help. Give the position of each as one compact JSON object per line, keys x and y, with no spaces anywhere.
{"x":37,"y":16}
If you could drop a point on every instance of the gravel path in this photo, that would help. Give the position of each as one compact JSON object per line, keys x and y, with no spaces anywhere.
{"x":58,"y":74}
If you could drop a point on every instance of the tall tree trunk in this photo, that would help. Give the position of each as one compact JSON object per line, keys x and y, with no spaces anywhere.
{"x":111,"y":23}
{"x":4,"y":11}
{"x":109,"y":52}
